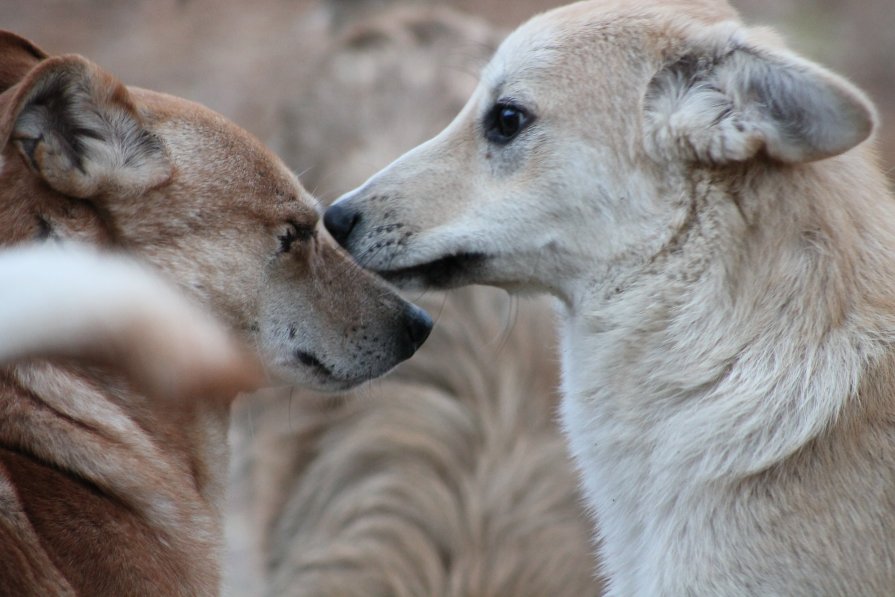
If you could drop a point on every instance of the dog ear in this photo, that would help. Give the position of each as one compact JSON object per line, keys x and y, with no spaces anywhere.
{"x":17,"y":57}
{"x":721,"y":103}
{"x":77,"y":127}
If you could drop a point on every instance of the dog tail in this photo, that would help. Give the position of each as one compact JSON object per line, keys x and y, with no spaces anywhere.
{"x":63,"y":301}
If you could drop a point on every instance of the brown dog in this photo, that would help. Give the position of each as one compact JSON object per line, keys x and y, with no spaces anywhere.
{"x":108,"y":491}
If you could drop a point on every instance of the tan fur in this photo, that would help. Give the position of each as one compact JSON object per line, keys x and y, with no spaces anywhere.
{"x":704,"y":205}
{"x":109,"y":489}
{"x":449,"y":477}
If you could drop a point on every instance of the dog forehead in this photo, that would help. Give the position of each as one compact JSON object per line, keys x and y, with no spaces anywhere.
{"x":218,"y":153}
{"x":600,"y":32}
{"x":530,"y":49}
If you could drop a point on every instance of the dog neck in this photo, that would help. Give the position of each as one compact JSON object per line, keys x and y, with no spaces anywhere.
{"x":732,"y":350}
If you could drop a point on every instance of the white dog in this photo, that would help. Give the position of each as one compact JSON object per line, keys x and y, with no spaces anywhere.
{"x":723,"y":248}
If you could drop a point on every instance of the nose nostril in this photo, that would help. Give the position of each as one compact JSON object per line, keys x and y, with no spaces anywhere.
{"x":419,"y":324}
{"x":340,"y":220}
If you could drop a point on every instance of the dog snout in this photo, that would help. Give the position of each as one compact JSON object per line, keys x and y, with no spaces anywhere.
{"x":340,"y":219}
{"x":417,"y":325}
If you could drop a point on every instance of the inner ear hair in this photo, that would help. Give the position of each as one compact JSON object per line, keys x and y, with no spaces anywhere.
{"x":729,"y":99}
{"x":77,"y":128}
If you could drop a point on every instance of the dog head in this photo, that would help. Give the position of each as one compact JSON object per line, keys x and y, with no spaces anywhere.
{"x":574,"y":157}
{"x":87,"y":159}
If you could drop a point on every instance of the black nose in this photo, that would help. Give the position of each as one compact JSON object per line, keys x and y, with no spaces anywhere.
{"x":417,"y":324}
{"x":340,"y":220}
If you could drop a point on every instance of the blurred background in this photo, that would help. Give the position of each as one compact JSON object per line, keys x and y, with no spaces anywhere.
{"x":449,"y":477}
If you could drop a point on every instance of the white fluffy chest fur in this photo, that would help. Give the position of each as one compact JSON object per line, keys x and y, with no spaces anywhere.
{"x":711,"y":447}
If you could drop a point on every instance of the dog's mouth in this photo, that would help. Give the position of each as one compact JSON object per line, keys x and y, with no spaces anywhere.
{"x":327,"y":379}
{"x":444,"y":272}
{"x":312,"y":362}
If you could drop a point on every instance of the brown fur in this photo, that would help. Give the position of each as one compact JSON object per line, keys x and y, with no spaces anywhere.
{"x":106,"y":489}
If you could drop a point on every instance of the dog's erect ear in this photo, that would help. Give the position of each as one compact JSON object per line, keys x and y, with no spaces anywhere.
{"x":726,"y":100}
{"x":77,"y":127}
{"x":17,"y":57}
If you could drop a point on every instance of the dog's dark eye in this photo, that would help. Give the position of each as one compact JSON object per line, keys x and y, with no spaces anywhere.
{"x":505,"y":121}
{"x":294,"y":232}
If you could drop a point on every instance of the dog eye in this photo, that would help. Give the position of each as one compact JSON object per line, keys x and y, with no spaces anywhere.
{"x":505,"y":121}
{"x":294,"y":232}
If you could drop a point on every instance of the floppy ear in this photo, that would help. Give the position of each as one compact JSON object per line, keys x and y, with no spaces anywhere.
{"x":17,"y":57}
{"x":77,"y":127}
{"x":725,"y":100}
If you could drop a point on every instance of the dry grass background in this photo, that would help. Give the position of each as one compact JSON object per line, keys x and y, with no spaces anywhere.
{"x":279,"y":68}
